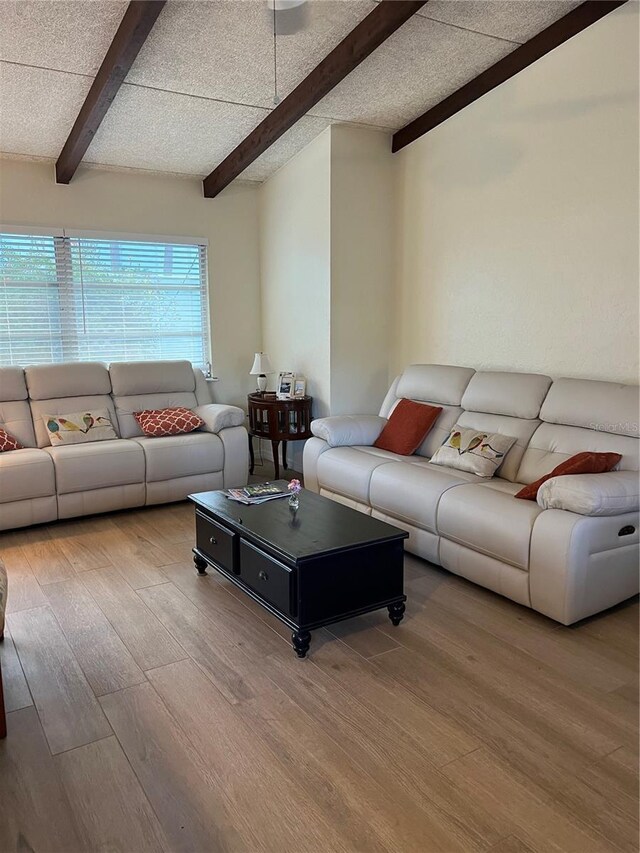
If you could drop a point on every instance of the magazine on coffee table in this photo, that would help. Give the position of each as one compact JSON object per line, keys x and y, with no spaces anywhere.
{"x":263,"y":489}
{"x":256,"y":494}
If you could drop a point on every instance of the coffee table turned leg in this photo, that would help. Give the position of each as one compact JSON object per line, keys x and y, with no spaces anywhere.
{"x":252,"y":458}
{"x":200,"y":564}
{"x":301,"y":641}
{"x":396,"y":612}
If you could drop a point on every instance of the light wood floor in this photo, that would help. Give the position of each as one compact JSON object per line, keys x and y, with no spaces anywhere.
{"x":152,"y":710}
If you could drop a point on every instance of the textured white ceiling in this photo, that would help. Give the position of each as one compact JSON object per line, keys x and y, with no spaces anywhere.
{"x":418,"y":66}
{"x":57,"y":34}
{"x":188,"y":135}
{"x":225,"y":50}
{"x":516,"y":20}
{"x":38,"y":109}
{"x":205,"y":77}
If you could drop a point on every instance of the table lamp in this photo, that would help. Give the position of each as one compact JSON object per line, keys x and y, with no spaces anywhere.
{"x":261,"y":366}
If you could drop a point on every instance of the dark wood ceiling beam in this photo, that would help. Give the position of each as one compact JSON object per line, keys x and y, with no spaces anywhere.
{"x":570,"y":25}
{"x":134,"y":28}
{"x":369,"y":34}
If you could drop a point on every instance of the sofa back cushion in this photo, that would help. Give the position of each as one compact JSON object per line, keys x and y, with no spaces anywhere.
{"x":583,"y":415}
{"x":507,"y":404}
{"x":131,"y":378}
{"x":15,"y":414}
{"x":142,"y":385}
{"x":71,"y":379}
{"x":58,"y":389}
{"x":518,"y":395}
{"x":436,"y":384}
{"x":602,"y":406}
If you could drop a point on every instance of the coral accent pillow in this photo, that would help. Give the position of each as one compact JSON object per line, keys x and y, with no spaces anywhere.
{"x":581,"y":463}
{"x":173,"y":421}
{"x":407,"y":427}
{"x":8,"y":442}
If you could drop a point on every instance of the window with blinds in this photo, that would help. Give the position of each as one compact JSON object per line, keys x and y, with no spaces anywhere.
{"x":82,"y":298}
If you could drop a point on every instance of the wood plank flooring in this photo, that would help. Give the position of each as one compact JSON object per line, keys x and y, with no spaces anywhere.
{"x":154,"y":710}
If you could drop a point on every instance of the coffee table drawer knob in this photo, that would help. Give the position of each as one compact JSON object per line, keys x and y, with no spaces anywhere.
{"x":213,"y":540}
{"x":263,"y":575}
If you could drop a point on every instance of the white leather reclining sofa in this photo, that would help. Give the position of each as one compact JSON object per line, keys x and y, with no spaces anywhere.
{"x":41,"y":483}
{"x":561,"y":563}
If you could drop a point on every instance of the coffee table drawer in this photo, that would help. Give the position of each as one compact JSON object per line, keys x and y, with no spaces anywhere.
{"x":266,"y":576}
{"x":218,"y":543}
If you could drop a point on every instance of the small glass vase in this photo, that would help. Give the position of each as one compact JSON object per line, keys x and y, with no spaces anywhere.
{"x":294,"y":501}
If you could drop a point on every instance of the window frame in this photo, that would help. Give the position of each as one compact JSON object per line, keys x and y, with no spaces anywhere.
{"x":67,"y":292}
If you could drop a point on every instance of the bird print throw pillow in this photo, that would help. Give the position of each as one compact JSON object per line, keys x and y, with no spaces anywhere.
{"x":78,"y":427}
{"x":470,"y":450}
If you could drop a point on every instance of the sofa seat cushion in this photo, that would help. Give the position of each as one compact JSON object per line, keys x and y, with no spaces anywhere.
{"x":171,"y":456}
{"x":348,"y":470}
{"x":26,"y":474}
{"x":98,"y":465}
{"x":387,"y":455}
{"x":412,"y":492}
{"x":487,"y":518}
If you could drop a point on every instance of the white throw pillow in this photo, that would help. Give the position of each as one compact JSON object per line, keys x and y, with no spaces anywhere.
{"x":612,"y":493}
{"x":474,"y":451}
{"x":79,"y":427}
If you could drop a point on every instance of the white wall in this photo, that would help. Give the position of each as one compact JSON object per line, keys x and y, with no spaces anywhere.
{"x":295,"y":269}
{"x":326,"y":266}
{"x":518,"y":219}
{"x":152,"y":204}
{"x":361,"y":268}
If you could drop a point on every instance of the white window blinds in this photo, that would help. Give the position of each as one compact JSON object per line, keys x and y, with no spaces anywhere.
{"x":80,"y":298}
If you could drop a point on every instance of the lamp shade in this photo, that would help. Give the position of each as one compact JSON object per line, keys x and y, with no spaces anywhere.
{"x":261,"y":365}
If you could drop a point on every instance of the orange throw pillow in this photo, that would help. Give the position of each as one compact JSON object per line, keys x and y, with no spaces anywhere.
{"x":407,"y":427}
{"x":173,"y":421}
{"x":581,"y":463}
{"x":8,"y":441}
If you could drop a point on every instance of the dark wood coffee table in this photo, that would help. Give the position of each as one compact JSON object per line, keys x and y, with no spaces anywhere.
{"x":319,"y":565}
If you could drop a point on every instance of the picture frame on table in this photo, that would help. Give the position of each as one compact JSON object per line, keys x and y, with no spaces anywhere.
{"x":299,"y":388}
{"x":284,"y":388}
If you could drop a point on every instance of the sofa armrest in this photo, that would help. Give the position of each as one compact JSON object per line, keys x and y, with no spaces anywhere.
{"x":579,"y":566}
{"x":348,"y":430}
{"x":614,"y":493}
{"x":217,"y":416}
{"x":235,"y":473}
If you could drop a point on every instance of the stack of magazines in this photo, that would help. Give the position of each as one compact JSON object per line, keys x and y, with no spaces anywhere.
{"x":256,"y":494}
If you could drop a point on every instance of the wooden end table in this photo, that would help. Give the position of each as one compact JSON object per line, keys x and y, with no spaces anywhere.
{"x":278,"y":421}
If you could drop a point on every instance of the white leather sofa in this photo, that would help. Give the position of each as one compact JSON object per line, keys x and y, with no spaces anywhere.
{"x":564,"y":564}
{"x":41,"y":483}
